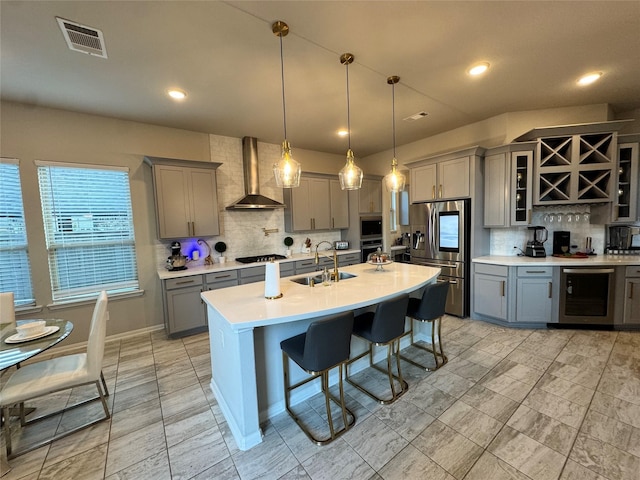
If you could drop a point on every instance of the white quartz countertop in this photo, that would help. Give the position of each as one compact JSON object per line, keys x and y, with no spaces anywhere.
{"x":244,"y":306}
{"x":199,"y":269}
{"x":550,"y":261}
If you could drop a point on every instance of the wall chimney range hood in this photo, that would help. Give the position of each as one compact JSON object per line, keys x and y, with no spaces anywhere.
{"x":252,"y":198}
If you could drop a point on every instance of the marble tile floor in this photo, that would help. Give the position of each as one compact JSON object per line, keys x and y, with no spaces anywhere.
{"x":510,"y":404}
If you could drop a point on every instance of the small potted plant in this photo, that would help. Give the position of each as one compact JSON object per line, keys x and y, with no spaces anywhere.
{"x":220,"y":247}
{"x":288,"y":241}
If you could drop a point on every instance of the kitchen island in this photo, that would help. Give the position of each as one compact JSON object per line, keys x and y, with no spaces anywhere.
{"x":245,"y":331}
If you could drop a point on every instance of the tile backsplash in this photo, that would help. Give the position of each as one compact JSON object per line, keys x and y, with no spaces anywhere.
{"x":572,"y":218}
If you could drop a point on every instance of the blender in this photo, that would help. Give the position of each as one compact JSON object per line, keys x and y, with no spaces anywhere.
{"x":535,"y":247}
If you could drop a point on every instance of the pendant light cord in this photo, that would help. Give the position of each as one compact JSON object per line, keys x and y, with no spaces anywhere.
{"x":393,"y":116}
{"x":284,"y":107}
{"x":348,"y":109}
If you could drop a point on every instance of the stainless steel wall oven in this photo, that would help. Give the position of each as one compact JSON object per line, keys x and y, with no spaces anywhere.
{"x":587,"y":295}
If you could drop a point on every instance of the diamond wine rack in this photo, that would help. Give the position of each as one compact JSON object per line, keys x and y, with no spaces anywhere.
{"x":576,"y":168}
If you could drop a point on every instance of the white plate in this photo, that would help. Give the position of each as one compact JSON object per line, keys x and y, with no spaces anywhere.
{"x":18,"y":339}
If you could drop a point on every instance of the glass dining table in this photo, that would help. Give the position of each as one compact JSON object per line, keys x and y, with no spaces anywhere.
{"x":15,"y":350}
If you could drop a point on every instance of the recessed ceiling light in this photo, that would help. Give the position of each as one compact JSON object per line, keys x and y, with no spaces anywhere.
{"x":343,"y":133}
{"x":589,"y":78}
{"x":478,"y":68}
{"x":177,"y":94}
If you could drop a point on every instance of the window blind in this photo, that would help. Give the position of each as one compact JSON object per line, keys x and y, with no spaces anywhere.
{"x":15,"y":270}
{"x":88,"y":223}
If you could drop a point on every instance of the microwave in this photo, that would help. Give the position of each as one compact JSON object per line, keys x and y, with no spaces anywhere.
{"x":370,"y":227}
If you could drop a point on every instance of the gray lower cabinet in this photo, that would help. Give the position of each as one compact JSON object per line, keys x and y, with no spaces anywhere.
{"x":632,"y":295}
{"x":287,"y":269}
{"x":305,"y":266}
{"x":491,"y":291}
{"x":185,"y":312}
{"x":228,"y":278}
{"x":257,"y":274}
{"x":251,"y":275}
{"x":349,"y":259}
{"x":534,"y":294}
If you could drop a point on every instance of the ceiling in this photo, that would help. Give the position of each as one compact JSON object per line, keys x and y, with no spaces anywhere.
{"x":226,"y":57}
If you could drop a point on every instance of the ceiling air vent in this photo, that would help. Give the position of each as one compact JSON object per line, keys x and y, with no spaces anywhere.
{"x":416,"y":116}
{"x":81,"y":38}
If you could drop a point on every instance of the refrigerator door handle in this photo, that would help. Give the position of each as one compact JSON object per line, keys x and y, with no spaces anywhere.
{"x":433,"y":219}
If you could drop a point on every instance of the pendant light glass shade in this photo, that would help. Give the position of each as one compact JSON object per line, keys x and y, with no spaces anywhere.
{"x":350,"y":175}
{"x":286,"y":170}
{"x":394,"y":180}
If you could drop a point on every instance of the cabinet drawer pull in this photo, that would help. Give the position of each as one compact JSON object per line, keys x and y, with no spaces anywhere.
{"x":630,"y":290}
{"x":502,"y":288}
{"x":433,"y":191}
{"x":440,"y":192}
{"x":535,"y":271}
{"x":550,"y":289}
{"x":221,"y":276}
{"x":184,"y":282}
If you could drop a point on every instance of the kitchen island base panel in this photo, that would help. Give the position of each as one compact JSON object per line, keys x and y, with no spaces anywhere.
{"x":233,"y":379}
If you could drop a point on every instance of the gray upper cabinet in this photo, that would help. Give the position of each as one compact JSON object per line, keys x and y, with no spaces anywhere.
{"x":444,"y":177}
{"x":315,"y":205}
{"x":186,"y":197}
{"x":339,"y":200}
{"x":507,"y":185}
{"x":370,"y":196}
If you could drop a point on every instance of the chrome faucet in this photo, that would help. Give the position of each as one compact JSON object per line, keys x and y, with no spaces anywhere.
{"x":335,"y":275}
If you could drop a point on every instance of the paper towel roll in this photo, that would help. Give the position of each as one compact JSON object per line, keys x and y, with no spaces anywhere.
{"x":272,"y":281}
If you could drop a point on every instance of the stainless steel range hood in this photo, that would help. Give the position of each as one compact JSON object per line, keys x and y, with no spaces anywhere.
{"x":252,"y":197}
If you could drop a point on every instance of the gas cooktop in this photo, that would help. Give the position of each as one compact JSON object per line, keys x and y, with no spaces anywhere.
{"x":260,"y":258}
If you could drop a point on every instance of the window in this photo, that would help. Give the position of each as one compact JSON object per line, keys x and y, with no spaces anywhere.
{"x":88,"y":226}
{"x":393,"y":215}
{"x":15,"y":271}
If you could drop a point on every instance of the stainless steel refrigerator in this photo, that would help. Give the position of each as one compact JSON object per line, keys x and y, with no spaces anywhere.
{"x":440,"y":238}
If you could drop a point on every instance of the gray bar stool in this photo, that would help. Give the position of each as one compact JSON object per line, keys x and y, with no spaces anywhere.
{"x":429,"y":308}
{"x":325,"y":345}
{"x":384,"y":327}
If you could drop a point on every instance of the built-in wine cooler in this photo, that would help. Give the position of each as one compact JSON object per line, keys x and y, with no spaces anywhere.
{"x":586,"y":296}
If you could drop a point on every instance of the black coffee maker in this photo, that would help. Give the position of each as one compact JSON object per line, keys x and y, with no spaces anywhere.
{"x":535,"y":247}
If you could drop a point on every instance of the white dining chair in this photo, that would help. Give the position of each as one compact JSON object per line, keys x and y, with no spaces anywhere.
{"x":60,"y":373}
{"x":7,"y":310}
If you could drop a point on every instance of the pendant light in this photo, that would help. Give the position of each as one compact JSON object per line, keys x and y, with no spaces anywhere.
{"x":394,"y":180}
{"x":286,"y":170}
{"x":351,"y":174}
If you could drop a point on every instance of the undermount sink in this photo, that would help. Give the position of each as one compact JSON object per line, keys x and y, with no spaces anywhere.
{"x":307,"y":280}
{"x":317,"y":279}
{"x":345,"y":275}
